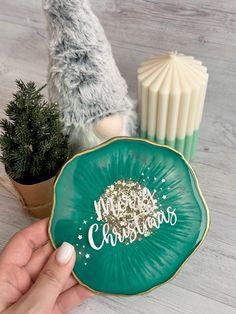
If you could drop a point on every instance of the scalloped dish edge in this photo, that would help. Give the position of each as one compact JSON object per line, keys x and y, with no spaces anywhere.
{"x":151,"y":143}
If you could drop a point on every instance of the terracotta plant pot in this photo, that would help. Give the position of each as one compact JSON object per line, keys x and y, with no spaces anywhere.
{"x":37,"y":198}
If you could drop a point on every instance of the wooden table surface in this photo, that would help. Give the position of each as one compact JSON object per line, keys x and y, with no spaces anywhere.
{"x":137,"y":30}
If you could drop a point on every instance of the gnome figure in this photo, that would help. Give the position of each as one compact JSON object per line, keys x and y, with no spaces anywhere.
{"x":83,"y":77}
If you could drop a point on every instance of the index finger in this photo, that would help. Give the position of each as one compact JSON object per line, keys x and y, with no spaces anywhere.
{"x":21,"y":246}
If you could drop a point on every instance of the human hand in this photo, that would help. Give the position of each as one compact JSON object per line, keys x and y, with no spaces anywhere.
{"x":36,"y":279}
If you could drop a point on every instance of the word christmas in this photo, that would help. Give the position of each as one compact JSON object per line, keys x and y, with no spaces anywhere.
{"x":129,"y":211}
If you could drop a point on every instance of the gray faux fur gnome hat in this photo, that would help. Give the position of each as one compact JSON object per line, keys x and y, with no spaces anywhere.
{"x":83,"y":77}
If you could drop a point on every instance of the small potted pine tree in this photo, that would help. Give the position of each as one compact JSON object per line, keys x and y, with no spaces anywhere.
{"x":33,"y":147}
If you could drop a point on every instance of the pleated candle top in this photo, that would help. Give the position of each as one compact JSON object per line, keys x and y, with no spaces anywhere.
{"x":171,"y":92}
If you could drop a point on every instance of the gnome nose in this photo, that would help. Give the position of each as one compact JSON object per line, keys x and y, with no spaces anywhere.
{"x":109,"y":127}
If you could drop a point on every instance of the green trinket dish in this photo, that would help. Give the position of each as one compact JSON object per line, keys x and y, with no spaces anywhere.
{"x":134,"y":212}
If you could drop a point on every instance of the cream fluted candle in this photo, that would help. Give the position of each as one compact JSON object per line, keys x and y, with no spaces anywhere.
{"x":171,"y":95}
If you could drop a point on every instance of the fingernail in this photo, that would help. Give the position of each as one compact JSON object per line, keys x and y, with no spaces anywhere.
{"x":64,"y":253}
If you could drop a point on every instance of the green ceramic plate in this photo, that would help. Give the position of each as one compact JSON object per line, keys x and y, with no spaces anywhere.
{"x":133,"y":210}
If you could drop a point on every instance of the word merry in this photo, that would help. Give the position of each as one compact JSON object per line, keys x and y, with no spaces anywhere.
{"x":127,"y":202}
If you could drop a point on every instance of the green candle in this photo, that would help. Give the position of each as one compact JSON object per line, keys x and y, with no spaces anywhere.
{"x":171,"y":94}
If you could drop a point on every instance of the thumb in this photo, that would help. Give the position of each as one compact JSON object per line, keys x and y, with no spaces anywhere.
{"x":52,"y":279}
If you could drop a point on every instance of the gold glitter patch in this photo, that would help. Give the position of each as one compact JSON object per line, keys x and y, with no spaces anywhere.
{"x":125,"y":201}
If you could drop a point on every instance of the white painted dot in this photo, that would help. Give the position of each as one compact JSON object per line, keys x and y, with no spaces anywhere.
{"x":163,"y":180}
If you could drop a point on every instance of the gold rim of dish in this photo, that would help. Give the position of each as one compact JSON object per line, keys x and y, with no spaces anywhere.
{"x":152,"y":143}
